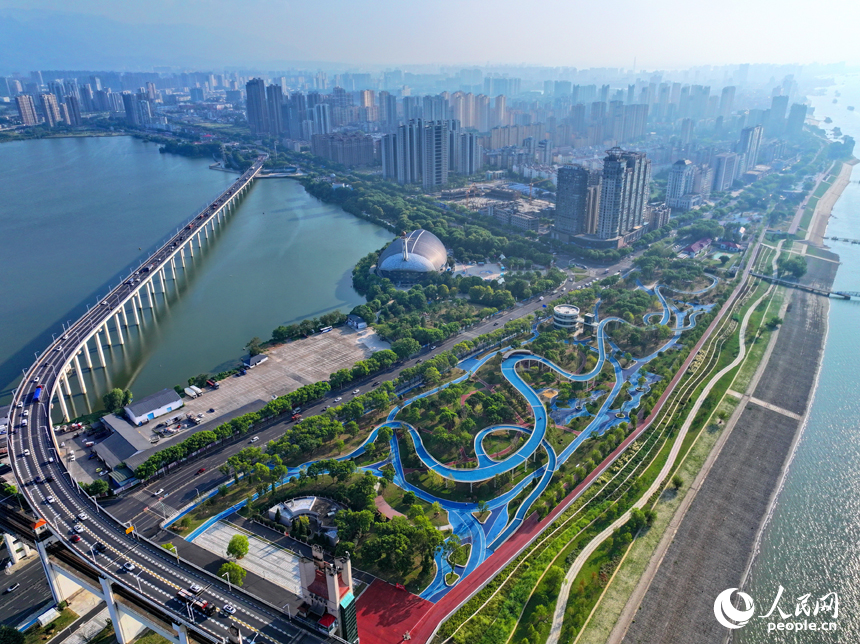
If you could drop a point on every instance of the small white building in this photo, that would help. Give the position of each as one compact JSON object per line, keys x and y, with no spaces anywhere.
{"x":565,"y":316}
{"x":253,"y":361}
{"x":356,"y":322}
{"x":146,"y":409}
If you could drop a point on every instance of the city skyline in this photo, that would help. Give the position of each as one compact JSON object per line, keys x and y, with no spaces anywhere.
{"x":43,"y":33}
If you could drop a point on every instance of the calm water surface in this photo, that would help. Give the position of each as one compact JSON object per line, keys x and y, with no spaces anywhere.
{"x":812,"y":542}
{"x":77,"y":214}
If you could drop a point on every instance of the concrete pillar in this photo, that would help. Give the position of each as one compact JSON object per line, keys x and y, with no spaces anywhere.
{"x":87,"y":357}
{"x":80,"y":374}
{"x":163,"y":284}
{"x":99,"y":348}
{"x":107,"y":333}
{"x":206,"y":229}
{"x":126,"y":626}
{"x":173,"y":266}
{"x":182,"y":256}
{"x":118,"y":328}
{"x":150,"y":292}
{"x":182,"y":631}
{"x":199,"y":243}
{"x":191,"y":246}
{"x":124,"y":317}
{"x":65,"y":409}
{"x":55,"y":582}
{"x":64,"y":380}
{"x":135,"y":301}
{"x":11,"y":547}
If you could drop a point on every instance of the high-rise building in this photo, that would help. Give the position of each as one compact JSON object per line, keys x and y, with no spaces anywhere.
{"x":274,"y":107}
{"x":796,"y":119}
{"x":50,"y":109}
{"x":577,"y":205}
{"x":137,"y":109}
{"x":776,"y":122}
{"x":727,"y":99}
{"x":680,"y":183}
{"x":624,"y":192}
{"x":322,"y":118}
{"x":197,"y":94}
{"x":425,"y":152}
{"x":749,"y":145}
{"x":73,"y":107}
{"x":258,"y":113}
{"x":725,"y":171}
{"x":354,"y":149}
{"x":27,"y":109}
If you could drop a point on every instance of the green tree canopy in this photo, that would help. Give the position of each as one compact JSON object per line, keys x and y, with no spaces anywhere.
{"x":238,"y":546}
{"x":234,"y":571}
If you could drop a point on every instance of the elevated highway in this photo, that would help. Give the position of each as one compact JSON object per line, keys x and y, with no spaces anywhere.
{"x":138,"y":580}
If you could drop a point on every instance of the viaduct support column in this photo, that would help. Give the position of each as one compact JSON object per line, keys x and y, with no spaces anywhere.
{"x":182,"y":256}
{"x":107,"y":333}
{"x":87,"y":357}
{"x":80,"y":375}
{"x":58,"y":589}
{"x":191,"y":246}
{"x":99,"y":347}
{"x":64,"y":380}
{"x":173,"y":266}
{"x":163,"y":284}
{"x":125,"y":626}
{"x":124,"y":316}
{"x":199,"y":243}
{"x":118,"y":327}
{"x":135,"y":302}
{"x":150,"y":292}
{"x":182,"y":631}
{"x":206,"y":229}
{"x":65,"y":409}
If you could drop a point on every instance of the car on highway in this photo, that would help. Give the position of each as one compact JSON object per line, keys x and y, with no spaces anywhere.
{"x":26,"y":412}
{"x":36,"y":379}
{"x":338,"y":399}
{"x":37,"y":480}
{"x":75,"y":538}
{"x":495,"y":324}
{"x":229,"y":609}
{"x":128,"y":566}
{"x":49,"y":499}
{"x":255,"y":439}
{"x":78,"y":527}
{"x":195,"y":588}
{"x":355,"y":392}
{"x":20,"y":404}
{"x":26,"y":452}
{"x":200,"y":471}
{"x":99,"y":546}
{"x":158,"y":492}
{"x":83,"y":516}
{"x":15,"y":587}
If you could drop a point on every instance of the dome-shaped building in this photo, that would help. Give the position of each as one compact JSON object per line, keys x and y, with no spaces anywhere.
{"x":412,"y":257}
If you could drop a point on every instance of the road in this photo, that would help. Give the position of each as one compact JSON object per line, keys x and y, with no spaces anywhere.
{"x":183,"y":484}
{"x":32,"y":593}
{"x":156,"y":575}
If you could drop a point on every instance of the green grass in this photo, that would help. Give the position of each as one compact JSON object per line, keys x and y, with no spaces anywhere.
{"x":461,"y":555}
{"x":149,"y":637}
{"x":451,"y":577}
{"x":394,"y":496}
{"x":38,"y":634}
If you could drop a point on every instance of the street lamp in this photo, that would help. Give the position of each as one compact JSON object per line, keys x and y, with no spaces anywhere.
{"x":226,"y":576}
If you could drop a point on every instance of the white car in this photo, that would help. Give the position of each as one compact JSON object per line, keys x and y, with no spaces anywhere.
{"x":195,"y":588}
{"x":338,"y":399}
{"x":128,"y":566}
{"x":355,"y":392}
{"x":26,"y":412}
{"x":26,"y":452}
{"x":20,"y":404}
{"x":49,"y":499}
{"x":255,"y":439}
{"x":229,"y":609}
{"x":78,"y":527}
{"x":36,"y":379}
{"x":83,"y":516}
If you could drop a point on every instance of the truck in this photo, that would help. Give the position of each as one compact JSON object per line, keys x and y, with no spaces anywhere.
{"x":213,"y":383}
{"x":37,"y":394}
{"x":147,"y":268}
{"x":187,"y":597}
{"x":197,"y":390}
{"x":190,"y":392}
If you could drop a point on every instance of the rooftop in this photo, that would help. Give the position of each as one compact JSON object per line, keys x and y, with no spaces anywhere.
{"x":152,"y":402}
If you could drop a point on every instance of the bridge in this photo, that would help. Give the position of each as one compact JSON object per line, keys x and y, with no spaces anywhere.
{"x":803,"y":287}
{"x":135,"y":577}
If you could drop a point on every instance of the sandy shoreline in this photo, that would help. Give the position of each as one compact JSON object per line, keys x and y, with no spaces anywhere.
{"x":821,"y":216}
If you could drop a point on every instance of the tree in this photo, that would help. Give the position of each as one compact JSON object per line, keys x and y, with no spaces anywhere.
{"x":234,"y":572}
{"x":449,"y":547}
{"x":116,"y":399}
{"x":677,"y":482}
{"x":405,"y":347}
{"x":431,"y":376}
{"x":255,"y":346}
{"x":238,"y":546}
{"x":301,"y":528}
{"x":9,"y":635}
{"x":409,"y":498}
{"x":482,"y":506}
{"x":774,"y":321}
{"x":96,"y":488}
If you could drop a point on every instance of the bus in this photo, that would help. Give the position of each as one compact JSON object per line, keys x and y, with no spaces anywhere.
{"x":325,"y":329}
{"x":207,"y":608}
{"x":37,"y":394}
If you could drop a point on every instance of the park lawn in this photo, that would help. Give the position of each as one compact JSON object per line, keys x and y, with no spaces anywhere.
{"x":481,"y":516}
{"x":209,"y":508}
{"x":483,"y":491}
{"x":393,"y":495}
{"x":150,"y":637}
{"x":461,"y":555}
{"x":451,"y":578}
{"x":501,"y":440}
{"x":38,"y":634}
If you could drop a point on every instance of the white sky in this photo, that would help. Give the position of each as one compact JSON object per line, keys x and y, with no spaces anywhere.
{"x":580,"y":33}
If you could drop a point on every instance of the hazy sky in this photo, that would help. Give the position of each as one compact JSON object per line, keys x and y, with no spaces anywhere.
{"x":582,"y":33}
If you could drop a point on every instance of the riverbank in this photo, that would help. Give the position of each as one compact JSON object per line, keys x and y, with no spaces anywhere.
{"x":824,"y":207}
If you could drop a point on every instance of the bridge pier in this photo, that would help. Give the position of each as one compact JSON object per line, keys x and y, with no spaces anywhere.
{"x":118,"y":328}
{"x":15,"y":553}
{"x":206,"y":230}
{"x":125,"y":626}
{"x":173,"y":266}
{"x":182,"y":256}
{"x":87,"y":357}
{"x":150,"y":293}
{"x":199,"y":243}
{"x":124,"y":317}
{"x":191,"y":246}
{"x":163,"y":284}
{"x":107,"y":333}
{"x":135,"y":302}
{"x":64,"y":381}
{"x":101,"y":352}
{"x":80,"y":374}
{"x":63,"y":407}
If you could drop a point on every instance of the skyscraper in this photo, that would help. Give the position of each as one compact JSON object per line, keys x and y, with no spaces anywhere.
{"x":424,"y":152}
{"x":725,"y":170}
{"x":50,"y":109}
{"x":27,"y":109}
{"x":727,"y":99}
{"x":578,"y":200}
{"x":624,"y":193}
{"x":322,"y":118}
{"x":749,"y":145}
{"x":74,"y":109}
{"x":274,"y":103}
{"x":796,"y":119}
{"x":258,"y":114}
{"x":680,"y":182}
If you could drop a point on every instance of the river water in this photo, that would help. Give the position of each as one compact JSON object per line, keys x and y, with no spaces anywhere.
{"x":812,"y":541}
{"x":77,"y":213}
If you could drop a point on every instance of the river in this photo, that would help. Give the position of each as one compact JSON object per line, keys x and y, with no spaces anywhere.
{"x":77,"y":213}
{"x":811,"y":543}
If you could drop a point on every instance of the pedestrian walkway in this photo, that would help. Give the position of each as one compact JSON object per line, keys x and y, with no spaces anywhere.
{"x":90,"y":628}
